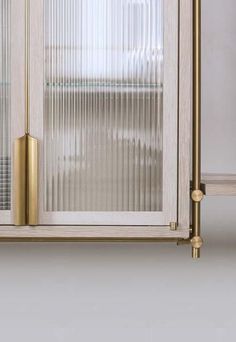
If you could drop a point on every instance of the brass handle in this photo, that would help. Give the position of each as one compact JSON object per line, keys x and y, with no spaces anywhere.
{"x":26,"y":153}
{"x":26,"y":181}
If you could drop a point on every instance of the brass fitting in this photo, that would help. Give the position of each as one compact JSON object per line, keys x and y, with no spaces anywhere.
{"x":173,"y":226}
{"x":197,"y":195}
{"x":196,"y":242}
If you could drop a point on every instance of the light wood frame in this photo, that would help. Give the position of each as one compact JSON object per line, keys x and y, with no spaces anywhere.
{"x":133,"y":232}
{"x":169,"y":212}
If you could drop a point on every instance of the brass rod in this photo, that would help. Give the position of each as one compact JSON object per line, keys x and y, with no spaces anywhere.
{"x":27,"y":65}
{"x":197,"y":95}
{"x":196,"y":157}
{"x":91,"y":240}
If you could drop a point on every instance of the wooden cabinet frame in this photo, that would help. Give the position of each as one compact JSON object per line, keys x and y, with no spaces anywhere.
{"x":104,"y":232}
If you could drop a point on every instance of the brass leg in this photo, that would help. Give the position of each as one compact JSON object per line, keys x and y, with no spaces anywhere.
{"x":197,"y":194}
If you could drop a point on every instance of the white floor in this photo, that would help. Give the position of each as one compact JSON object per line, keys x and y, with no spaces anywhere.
{"x":105,"y":292}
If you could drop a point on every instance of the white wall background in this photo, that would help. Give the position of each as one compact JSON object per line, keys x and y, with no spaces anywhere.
{"x":141,"y":292}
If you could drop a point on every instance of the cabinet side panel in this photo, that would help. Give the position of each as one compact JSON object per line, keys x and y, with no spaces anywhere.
{"x":185,"y":110}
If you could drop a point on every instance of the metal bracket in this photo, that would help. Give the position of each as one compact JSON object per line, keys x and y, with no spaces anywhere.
{"x":183,"y":242}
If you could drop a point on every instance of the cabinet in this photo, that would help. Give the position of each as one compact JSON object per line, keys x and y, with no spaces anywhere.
{"x":109,"y":93}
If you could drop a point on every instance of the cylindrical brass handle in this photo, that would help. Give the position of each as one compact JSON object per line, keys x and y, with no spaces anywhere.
{"x":26,"y":181}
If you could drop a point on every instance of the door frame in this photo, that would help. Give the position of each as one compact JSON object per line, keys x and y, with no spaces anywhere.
{"x":170,"y":104}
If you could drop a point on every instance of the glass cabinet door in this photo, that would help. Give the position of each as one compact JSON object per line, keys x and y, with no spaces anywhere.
{"x":5,"y":149}
{"x":104,"y":108}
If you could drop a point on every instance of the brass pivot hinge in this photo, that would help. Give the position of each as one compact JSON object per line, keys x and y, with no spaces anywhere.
{"x":25,"y":181}
{"x":173,"y":226}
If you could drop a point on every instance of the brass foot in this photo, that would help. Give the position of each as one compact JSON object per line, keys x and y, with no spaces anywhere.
{"x":196,"y":242}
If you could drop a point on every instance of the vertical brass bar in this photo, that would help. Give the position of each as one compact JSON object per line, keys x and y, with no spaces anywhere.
{"x":196,"y":94}
{"x":26,"y":153}
{"x":27,"y":64}
{"x":196,"y":160}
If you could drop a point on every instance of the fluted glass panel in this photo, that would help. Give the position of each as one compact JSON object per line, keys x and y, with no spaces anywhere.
{"x":5,"y":162}
{"x":103,"y":105}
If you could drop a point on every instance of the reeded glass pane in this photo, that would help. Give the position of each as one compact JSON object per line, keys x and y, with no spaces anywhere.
{"x":5,"y":163}
{"x":103,"y":105}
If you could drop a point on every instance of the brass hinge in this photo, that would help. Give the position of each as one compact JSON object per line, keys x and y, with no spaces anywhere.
{"x":173,"y":226}
{"x":25,"y":181}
